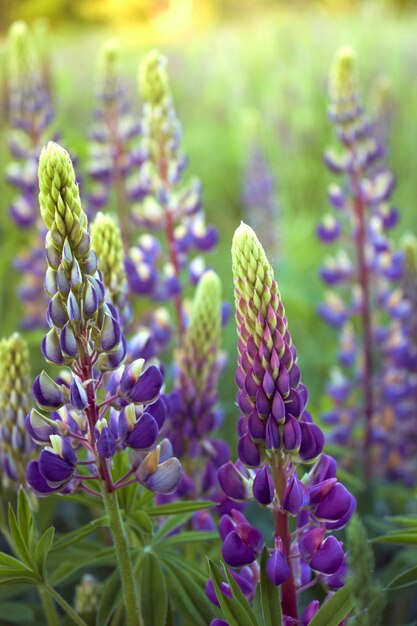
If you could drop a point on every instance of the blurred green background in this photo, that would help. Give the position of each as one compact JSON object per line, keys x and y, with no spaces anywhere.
{"x":227,"y":58}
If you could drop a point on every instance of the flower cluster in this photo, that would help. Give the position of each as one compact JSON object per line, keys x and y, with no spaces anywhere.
{"x":85,"y":335}
{"x":30,"y":116}
{"x":163,"y":203}
{"x":193,"y":405}
{"x":368,"y":269}
{"x":15,"y":398}
{"x":115,"y":152}
{"x":107,"y":243}
{"x":277,"y":438}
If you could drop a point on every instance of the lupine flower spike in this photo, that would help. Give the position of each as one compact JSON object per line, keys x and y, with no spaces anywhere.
{"x":371,"y":268}
{"x":277,"y":439}
{"x":163,"y":202}
{"x":115,"y":153}
{"x":107,"y":244}
{"x":194,"y":414}
{"x":16,"y":445}
{"x":85,"y":336}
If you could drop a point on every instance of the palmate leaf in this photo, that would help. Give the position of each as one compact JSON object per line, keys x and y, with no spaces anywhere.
{"x":140,"y":521}
{"x":77,"y":535}
{"x":110,"y":599}
{"x":24,"y":517}
{"x":154,"y":596}
{"x":407,"y":521}
{"x":20,"y":545}
{"x":407,"y":578}
{"x":191,"y":536}
{"x":269,"y":595}
{"x":235,"y":611}
{"x":172,"y":523}
{"x":76,"y":560}
{"x":333,"y":611}
{"x":405,"y":537}
{"x":180,"y":507}
{"x":43,"y":549}
{"x":189,"y":597}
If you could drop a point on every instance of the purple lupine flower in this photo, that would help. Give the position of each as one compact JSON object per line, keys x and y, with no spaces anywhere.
{"x":162,"y":202}
{"x":86,"y":336}
{"x":277,"y":438}
{"x":368,"y":272}
{"x":115,"y":153}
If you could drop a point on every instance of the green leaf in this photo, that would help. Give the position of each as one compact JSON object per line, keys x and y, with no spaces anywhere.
{"x":180,"y":507}
{"x":78,"y":560}
{"x":140,"y":521}
{"x":407,"y":578}
{"x":17,"y":612}
{"x":24,"y":515}
{"x":269,"y":595}
{"x":43,"y":549}
{"x":19,"y":544}
{"x":395,"y":537}
{"x":154,"y":597}
{"x":232,"y":610}
{"x":191,"y":536}
{"x":334,"y":610}
{"x":110,"y":598}
{"x":86,"y":500}
{"x":239,"y":597}
{"x":409,"y":521}
{"x":9,"y":562}
{"x":189,"y":596}
{"x":76,"y":535}
{"x":173,"y":522}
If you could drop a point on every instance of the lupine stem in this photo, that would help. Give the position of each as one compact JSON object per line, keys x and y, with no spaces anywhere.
{"x":124,"y":562}
{"x":49,"y":608}
{"x":64,"y":605}
{"x":368,"y":399}
{"x":288,"y":589}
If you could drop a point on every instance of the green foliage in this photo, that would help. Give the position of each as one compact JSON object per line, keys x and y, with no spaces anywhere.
{"x":269,"y":595}
{"x":367,"y":595}
{"x":236,"y":610}
{"x":334,"y":610}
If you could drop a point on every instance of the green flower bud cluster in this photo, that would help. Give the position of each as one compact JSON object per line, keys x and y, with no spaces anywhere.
{"x":161,"y":128}
{"x":87,"y":594}
{"x":344,"y":90}
{"x":76,"y":312}
{"x":200,"y":350}
{"x":109,"y":79}
{"x":107,"y":244}
{"x":257,"y":298}
{"x":15,"y":401}
{"x":23,"y":74}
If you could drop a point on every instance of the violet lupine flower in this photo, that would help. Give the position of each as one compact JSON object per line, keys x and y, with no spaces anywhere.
{"x":85,"y":336}
{"x":30,"y":116}
{"x":115,"y":153}
{"x":371,"y":269}
{"x":194,"y":414}
{"x":163,"y":203}
{"x":278,"y":438}
{"x":15,"y":444}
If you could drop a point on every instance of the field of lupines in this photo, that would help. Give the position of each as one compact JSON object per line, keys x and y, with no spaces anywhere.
{"x":162,"y":460}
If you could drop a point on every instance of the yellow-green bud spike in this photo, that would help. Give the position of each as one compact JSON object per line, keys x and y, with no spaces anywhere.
{"x":202,"y":338}
{"x":59,"y":198}
{"x":153,"y":78}
{"x":107,"y":243}
{"x":255,"y":287}
{"x":15,"y":401}
{"x":344,"y":91}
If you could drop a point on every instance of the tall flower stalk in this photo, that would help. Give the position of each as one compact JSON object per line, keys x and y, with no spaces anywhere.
{"x":369,"y":265}
{"x":15,"y":444}
{"x":164,"y":203}
{"x":115,"y":152}
{"x":277,"y":438}
{"x":80,"y":436}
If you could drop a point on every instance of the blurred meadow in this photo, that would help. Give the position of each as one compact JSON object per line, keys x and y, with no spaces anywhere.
{"x":236,"y":68}
{"x":228,"y":65}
